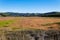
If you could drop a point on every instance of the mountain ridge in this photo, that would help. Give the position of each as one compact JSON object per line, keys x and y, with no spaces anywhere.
{"x":48,"y":14}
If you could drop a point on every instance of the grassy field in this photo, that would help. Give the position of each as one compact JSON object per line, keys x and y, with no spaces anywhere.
{"x":23,"y":23}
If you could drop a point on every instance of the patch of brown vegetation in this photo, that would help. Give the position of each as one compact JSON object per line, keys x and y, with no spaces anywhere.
{"x":32,"y":22}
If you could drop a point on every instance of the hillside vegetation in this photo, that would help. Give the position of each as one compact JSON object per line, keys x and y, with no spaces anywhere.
{"x":49,"y":14}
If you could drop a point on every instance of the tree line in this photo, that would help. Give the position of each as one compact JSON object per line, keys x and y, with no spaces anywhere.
{"x":49,"y":14}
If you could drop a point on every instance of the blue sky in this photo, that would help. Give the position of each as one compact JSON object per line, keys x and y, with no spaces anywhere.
{"x":29,"y":6}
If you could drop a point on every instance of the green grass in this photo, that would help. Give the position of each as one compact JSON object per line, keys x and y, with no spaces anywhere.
{"x":5,"y":23}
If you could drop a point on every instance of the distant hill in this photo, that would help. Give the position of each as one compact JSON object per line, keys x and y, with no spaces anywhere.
{"x":49,"y":14}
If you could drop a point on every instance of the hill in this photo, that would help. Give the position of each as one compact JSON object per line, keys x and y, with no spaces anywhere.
{"x":49,"y":14}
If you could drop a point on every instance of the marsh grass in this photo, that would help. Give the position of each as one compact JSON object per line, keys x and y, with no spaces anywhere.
{"x":5,"y":23}
{"x":51,"y":24}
